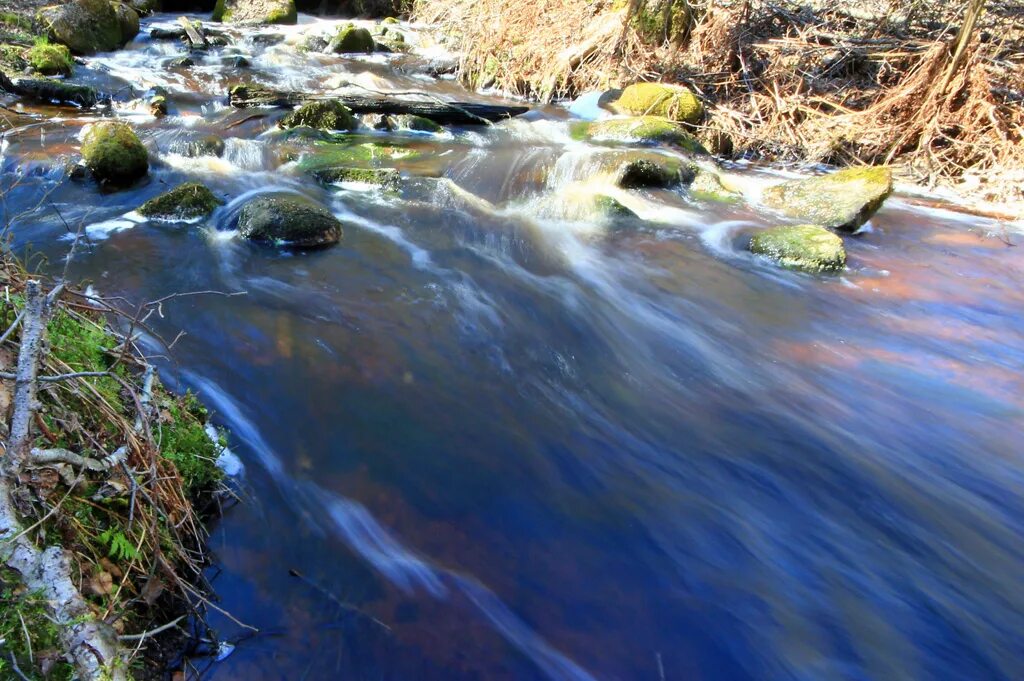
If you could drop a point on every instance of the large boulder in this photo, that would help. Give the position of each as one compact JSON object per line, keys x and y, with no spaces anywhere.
{"x":114,"y":154}
{"x":675,"y":102}
{"x":639,"y":129}
{"x":256,"y":11}
{"x":290,"y":221}
{"x":89,"y":26}
{"x":806,"y":247}
{"x":185,"y":202}
{"x":842,"y":200}
{"x":352,"y":40}
{"x":327,"y":114}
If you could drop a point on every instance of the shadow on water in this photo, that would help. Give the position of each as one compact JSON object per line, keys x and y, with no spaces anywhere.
{"x":503,"y":438}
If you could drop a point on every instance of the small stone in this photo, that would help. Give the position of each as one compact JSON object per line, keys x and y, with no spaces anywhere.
{"x":806,"y":247}
{"x":328,"y":114}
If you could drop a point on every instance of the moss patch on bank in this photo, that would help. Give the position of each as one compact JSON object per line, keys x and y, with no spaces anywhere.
{"x":128,"y":526}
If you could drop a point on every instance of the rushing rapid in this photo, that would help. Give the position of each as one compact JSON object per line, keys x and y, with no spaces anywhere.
{"x":502,"y":435}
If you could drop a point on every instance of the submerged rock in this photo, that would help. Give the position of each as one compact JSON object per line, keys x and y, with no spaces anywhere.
{"x":842,"y":200}
{"x":210,"y":145}
{"x":255,"y":11}
{"x":61,"y":92}
{"x":387,"y":178}
{"x":114,"y":153}
{"x":611,"y":207}
{"x":417,"y":123}
{"x":639,"y":129}
{"x":805,"y":247}
{"x":184,"y":202}
{"x":351,"y":40}
{"x":288,"y":220}
{"x":643,"y":173}
{"x":708,"y":185}
{"x":50,"y":59}
{"x":90,"y":26}
{"x":675,"y":102}
{"x":328,"y":114}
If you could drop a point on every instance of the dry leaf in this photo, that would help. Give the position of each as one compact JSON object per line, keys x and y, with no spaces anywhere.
{"x":101,"y":584}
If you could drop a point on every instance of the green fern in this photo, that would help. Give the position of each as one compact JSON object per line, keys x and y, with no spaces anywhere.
{"x":120,"y":548}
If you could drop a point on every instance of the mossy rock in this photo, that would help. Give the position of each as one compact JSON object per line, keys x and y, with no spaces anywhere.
{"x":50,"y":59}
{"x":209,"y":145}
{"x":114,"y":154}
{"x":417,"y":123}
{"x":89,"y":26}
{"x":674,"y":102}
{"x":390,"y":20}
{"x":386,"y":178}
{"x":649,"y":173}
{"x":128,"y":20}
{"x":658,"y":21}
{"x":328,"y":114}
{"x":637,"y":130}
{"x":256,"y":11}
{"x":805,"y":247}
{"x":842,"y":200}
{"x":352,"y":40}
{"x":709,"y":186}
{"x":185,"y":202}
{"x":610,"y":207}
{"x":291,"y":221}
{"x":327,"y":155}
{"x":158,"y":106}
{"x":387,"y":44}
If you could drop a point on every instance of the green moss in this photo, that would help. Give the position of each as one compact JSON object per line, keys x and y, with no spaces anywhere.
{"x":26,"y":631}
{"x":220,"y":11}
{"x":184,"y":202}
{"x":610,"y":207}
{"x":351,"y":39}
{"x":12,"y":20}
{"x":291,"y":221}
{"x":183,"y":440}
{"x":327,"y":155}
{"x":12,"y":58}
{"x":390,"y":20}
{"x":418,"y":123}
{"x":842,"y":200}
{"x":87,"y":26}
{"x":639,"y":129}
{"x":329,"y":114}
{"x":49,"y":59}
{"x":84,"y":346}
{"x":674,"y":102}
{"x":114,"y":154}
{"x":805,"y":247}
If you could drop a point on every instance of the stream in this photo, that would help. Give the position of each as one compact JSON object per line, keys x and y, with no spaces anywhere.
{"x":503,"y":437}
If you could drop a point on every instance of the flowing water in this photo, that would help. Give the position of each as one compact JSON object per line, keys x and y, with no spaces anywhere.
{"x":505,"y":438}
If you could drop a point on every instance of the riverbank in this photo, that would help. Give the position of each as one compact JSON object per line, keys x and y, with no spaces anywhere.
{"x":105,"y":483}
{"x":801,"y":83}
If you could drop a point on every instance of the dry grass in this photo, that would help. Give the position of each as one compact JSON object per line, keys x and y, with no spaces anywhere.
{"x":809,"y":82}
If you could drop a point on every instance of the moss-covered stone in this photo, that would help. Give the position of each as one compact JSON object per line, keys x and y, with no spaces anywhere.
{"x":55,"y":91}
{"x":658,"y":21}
{"x":289,"y":221}
{"x":387,"y":178}
{"x":417,"y":123}
{"x":256,"y":11}
{"x":352,"y":40}
{"x":114,"y":154}
{"x":185,"y":202}
{"x":89,"y":26}
{"x":709,"y":186}
{"x":50,"y":59}
{"x":674,"y":102}
{"x":326,"y":156}
{"x":390,"y":20}
{"x":806,"y":247}
{"x":842,"y":200}
{"x":644,"y":173}
{"x":158,"y":106}
{"x":328,"y":114}
{"x":639,"y":129}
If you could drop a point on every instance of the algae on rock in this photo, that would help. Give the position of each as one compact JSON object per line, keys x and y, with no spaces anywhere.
{"x":639,"y":129}
{"x":845,"y":199}
{"x":50,"y":59}
{"x":806,"y":247}
{"x":292,"y":221}
{"x":351,"y":40}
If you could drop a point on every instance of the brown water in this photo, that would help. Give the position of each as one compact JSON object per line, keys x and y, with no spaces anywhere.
{"x":504,"y":438}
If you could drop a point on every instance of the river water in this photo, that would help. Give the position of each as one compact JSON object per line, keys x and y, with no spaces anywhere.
{"x":504,"y":438}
